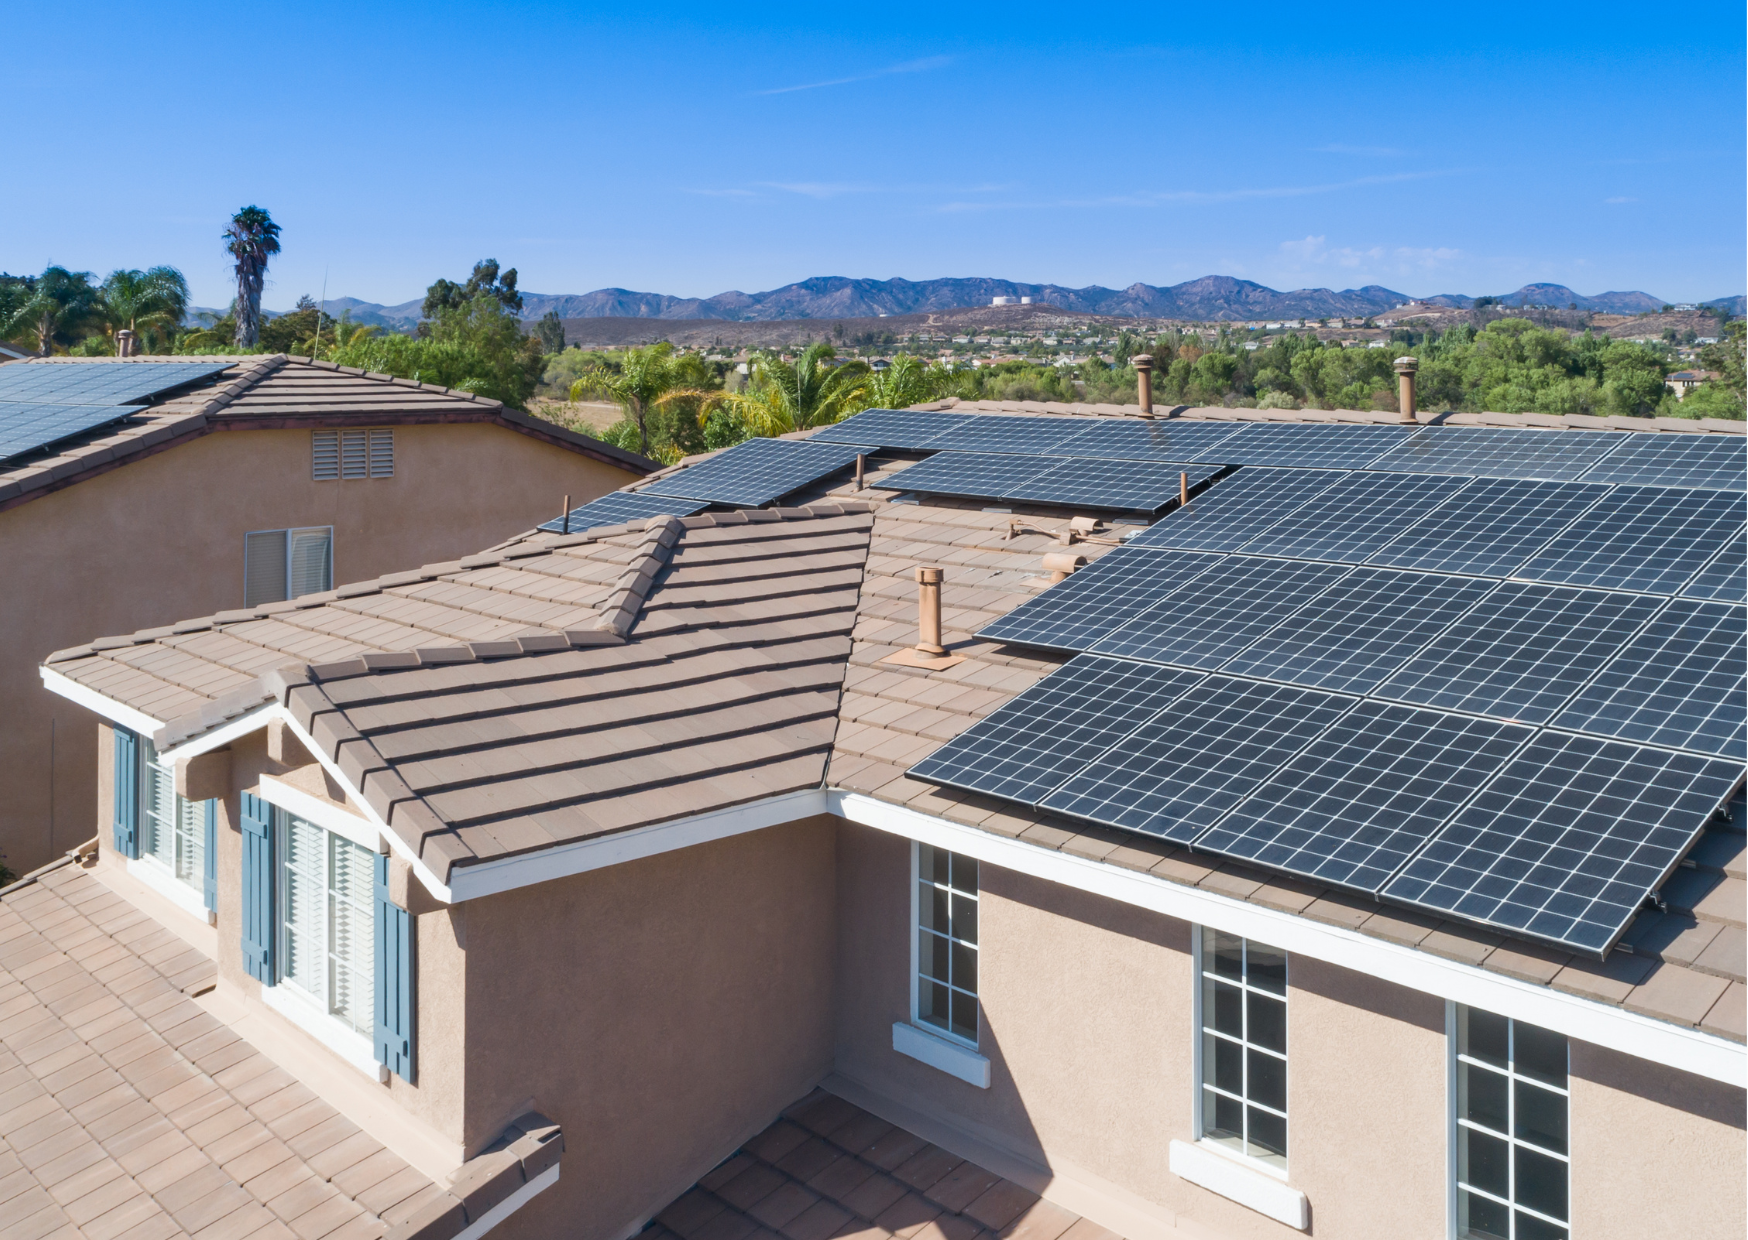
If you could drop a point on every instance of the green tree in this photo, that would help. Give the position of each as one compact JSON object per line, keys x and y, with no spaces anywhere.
{"x":478,"y":348}
{"x":485,"y":281}
{"x":907,"y":381}
{"x":644,"y":379}
{"x":793,"y":396}
{"x":154,"y":300}
{"x":251,"y":239}
{"x":1722,"y":397}
{"x":60,"y":304}
{"x":550,"y":330}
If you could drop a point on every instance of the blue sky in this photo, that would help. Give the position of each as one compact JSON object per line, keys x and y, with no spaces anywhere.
{"x":1428,"y":148}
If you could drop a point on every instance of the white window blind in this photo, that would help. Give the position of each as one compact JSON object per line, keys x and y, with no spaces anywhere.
{"x":173,"y":829}
{"x":285,"y":564}
{"x":310,"y":561}
{"x":352,"y":454}
{"x":327,"y":922}
{"x":324,"y":455}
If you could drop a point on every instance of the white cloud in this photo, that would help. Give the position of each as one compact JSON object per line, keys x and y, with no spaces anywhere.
{"x":1339,"y":148}
{"x":1377,"y":260}
{"x":1617,"y":200}
{"x":910,"y":66}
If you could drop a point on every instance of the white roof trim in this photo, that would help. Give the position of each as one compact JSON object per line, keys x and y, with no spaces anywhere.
{"x":91,"y":700}
{"x":324,"y":814}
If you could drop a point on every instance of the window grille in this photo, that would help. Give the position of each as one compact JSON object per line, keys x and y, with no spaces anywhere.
{"x":1513,"y":1164}
{"x":1243,"y":1095}
{"x":946,"y":942}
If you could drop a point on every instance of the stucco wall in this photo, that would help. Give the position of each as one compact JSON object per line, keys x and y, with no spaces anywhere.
{"x":161,"y":540}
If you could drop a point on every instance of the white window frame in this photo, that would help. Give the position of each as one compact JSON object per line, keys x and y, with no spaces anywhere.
{"x":150,"y":869}
{"x":1239,"y":1157}
{"x":916,"y":1018}
{"x":939,"y":1048}
{"x":1455,"y":1122}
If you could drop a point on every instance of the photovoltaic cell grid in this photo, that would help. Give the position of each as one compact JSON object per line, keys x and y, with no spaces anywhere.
{"x":1227,"y":516}
{"x":1029,"y":436}
{"x":1521,"y":652}
{"x":757,"y":472}
{"x":1356,"y":803}
{"x":99,"y":383}
{"x":1550,"y":455}
{"x":24,"y":428}
{"x":1490,"y":527}
{"x":1310,"y":446}
{"x":1724,"y":577}
{"x":1355,"y":518}
{"x":1676,"y":460}
{"x":1221,"y":612}
{"x":1361,"y":629}
{"x":1641,"y":538}
{"x":889,"y":428}
{"x":1076,"y":613}
{"x":1146,"y":486}
{"x":1569,"y":839}
{"x":1683,"y":683}
{"x":1034,"y":742}
{"x":987,"y":475}
{"x":1131,"y":439}
{"x":618,"y":507}
{"x":1176,"y":774}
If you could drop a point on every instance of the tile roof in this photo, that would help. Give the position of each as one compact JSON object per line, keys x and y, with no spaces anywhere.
{"x":273,"y":391}
{"x":828,"y":1170}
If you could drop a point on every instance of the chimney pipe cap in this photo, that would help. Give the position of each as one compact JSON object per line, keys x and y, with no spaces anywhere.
{"x":929,"y":575}
{"x":1407,"y":365}
{"x":1142,"y":361}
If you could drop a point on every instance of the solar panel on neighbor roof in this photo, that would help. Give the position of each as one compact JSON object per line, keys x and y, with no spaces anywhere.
{"x":99,"y":383}
{"x":1492,"y":452}
{"x":1726,"y":577}
{"x":25,"y":428}
{"x":1641,"y":538}
{"x":1678,"y":460}
{"x":1226,"y":516}
{"x":1355,"y":518}
{"x":890,"y":428}
{"x":1075,"y":613}
{"x":987,"y":475}
{"x":1174,"y":775}
{"x":1568,"y":840}
{"x":1490,"y":526}
{"x":1361,"y":629}
{"x":1144,"y":486}
{"x":1683,"y":682}
{"x":1221,"y":612}
{"x":1315,"y":446}
{"x":1031,"y":436}
{"x":1133,"y":439}
{"x":1355,"y":803}
{"x":1044,"y":735}
{"x":618,"y":507}
{"x":1522,"y":651}
{"x":757,"y":472}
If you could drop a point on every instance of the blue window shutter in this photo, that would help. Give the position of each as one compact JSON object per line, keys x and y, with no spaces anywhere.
{"x":209,"y":851}
{"x":394,"y":979}
{"x":258,"y":912}
{"x":127,"y":793}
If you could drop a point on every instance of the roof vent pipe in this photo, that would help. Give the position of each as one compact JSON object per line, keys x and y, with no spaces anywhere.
{"x":1143,"y":364}
{"x":928,"y":601}
{"x":124,"y":343}
{"x":1405,"y":368}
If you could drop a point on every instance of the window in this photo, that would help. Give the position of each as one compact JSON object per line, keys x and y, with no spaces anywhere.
{"x":1242,"y":1102}
{"x":172,"y":828}
{"x":946,"y":942}
{"x":327,"y":929}
{"x":285,"y":564}
{"x":1512,"y":1162}
{"x":352,"y":454}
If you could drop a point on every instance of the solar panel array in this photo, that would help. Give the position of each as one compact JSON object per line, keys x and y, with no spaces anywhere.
{"x":1714,"y":461}
{"x":43,"y":404}
{"x":1641,"y":538}
{"x":1725,"y":577}
{"x":1106,"y":594}
{"x":1497,"y":452}
{"x":618,"y":507}
{"x":757,"y":472}
{"x":1080,"y":482}
{"x":26,"y":428}
{"x":889,"y":428}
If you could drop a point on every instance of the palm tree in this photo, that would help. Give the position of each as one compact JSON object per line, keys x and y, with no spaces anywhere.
{"x":154,"y":298}
{"x":251,"y":238}
{"x":61,"y":301}
{"x":645,"y":378}
{"x":908,"y":381}
{"x":793,"y":396}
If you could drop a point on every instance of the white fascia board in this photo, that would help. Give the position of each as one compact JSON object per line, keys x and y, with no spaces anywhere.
{"x":225,"y":734}
{"x":509,"y":1205}
{"x":563,"y":860}
{"x":91,"y":700}
{"x":1603,"y":1025}
{"x":322,"y":813}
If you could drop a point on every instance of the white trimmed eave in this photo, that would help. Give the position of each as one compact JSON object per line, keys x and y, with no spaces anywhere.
{"x":91,"y":700}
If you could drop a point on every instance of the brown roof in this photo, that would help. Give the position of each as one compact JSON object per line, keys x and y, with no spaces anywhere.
{"x":274,"y":392}
{"x":828,"y":1170}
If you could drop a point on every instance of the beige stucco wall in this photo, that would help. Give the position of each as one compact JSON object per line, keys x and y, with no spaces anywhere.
{"x":161,"y":540}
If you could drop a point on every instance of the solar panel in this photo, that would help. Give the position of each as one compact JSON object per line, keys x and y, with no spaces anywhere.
{"x":1664,"y":460}
{"x":1313,"y":446}
{"x":1243,"y":504}
{"x":1550,"y":455}
{"x":99,"y":383}
{"x":1135,"y":439}
{"x":889,"y":428}
{"x":1040,"y":738}
{"x":1726,"y":576}
{"x":25,"y":428}
{"x":1008,"y":433}
{"x":756,"y":472}
{"x":1357,"y":802}
{"x":1231,"y":605}
{"x":1174,"y":775}
{"x":1641,"y":538}
{"x":988,"y":475}
{"x":618,"y":507}
{"x":1361,"y":629}
{"x":1075,"y":613}
{"x":1490,"y":526}
{"x":1683,"y":682}
{"x":1568,"y":840}
{"x":1522,"y":651}
{"x":1355,"y":518}
{"x":1144,"y":486}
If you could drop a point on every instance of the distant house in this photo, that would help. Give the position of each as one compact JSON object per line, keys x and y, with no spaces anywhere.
{"x":13,"y":353}
{"x":1684,"y":381}
{"x":247,"y":481}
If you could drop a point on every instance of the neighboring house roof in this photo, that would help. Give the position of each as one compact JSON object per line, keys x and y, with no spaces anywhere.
{"x":274,"y":392}
{"x":471,"y":752}
{"x":13,"y":353}
{"x":828,"y":1170}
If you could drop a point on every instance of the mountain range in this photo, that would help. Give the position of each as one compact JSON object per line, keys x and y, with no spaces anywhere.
{"x":1209,"y":299}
